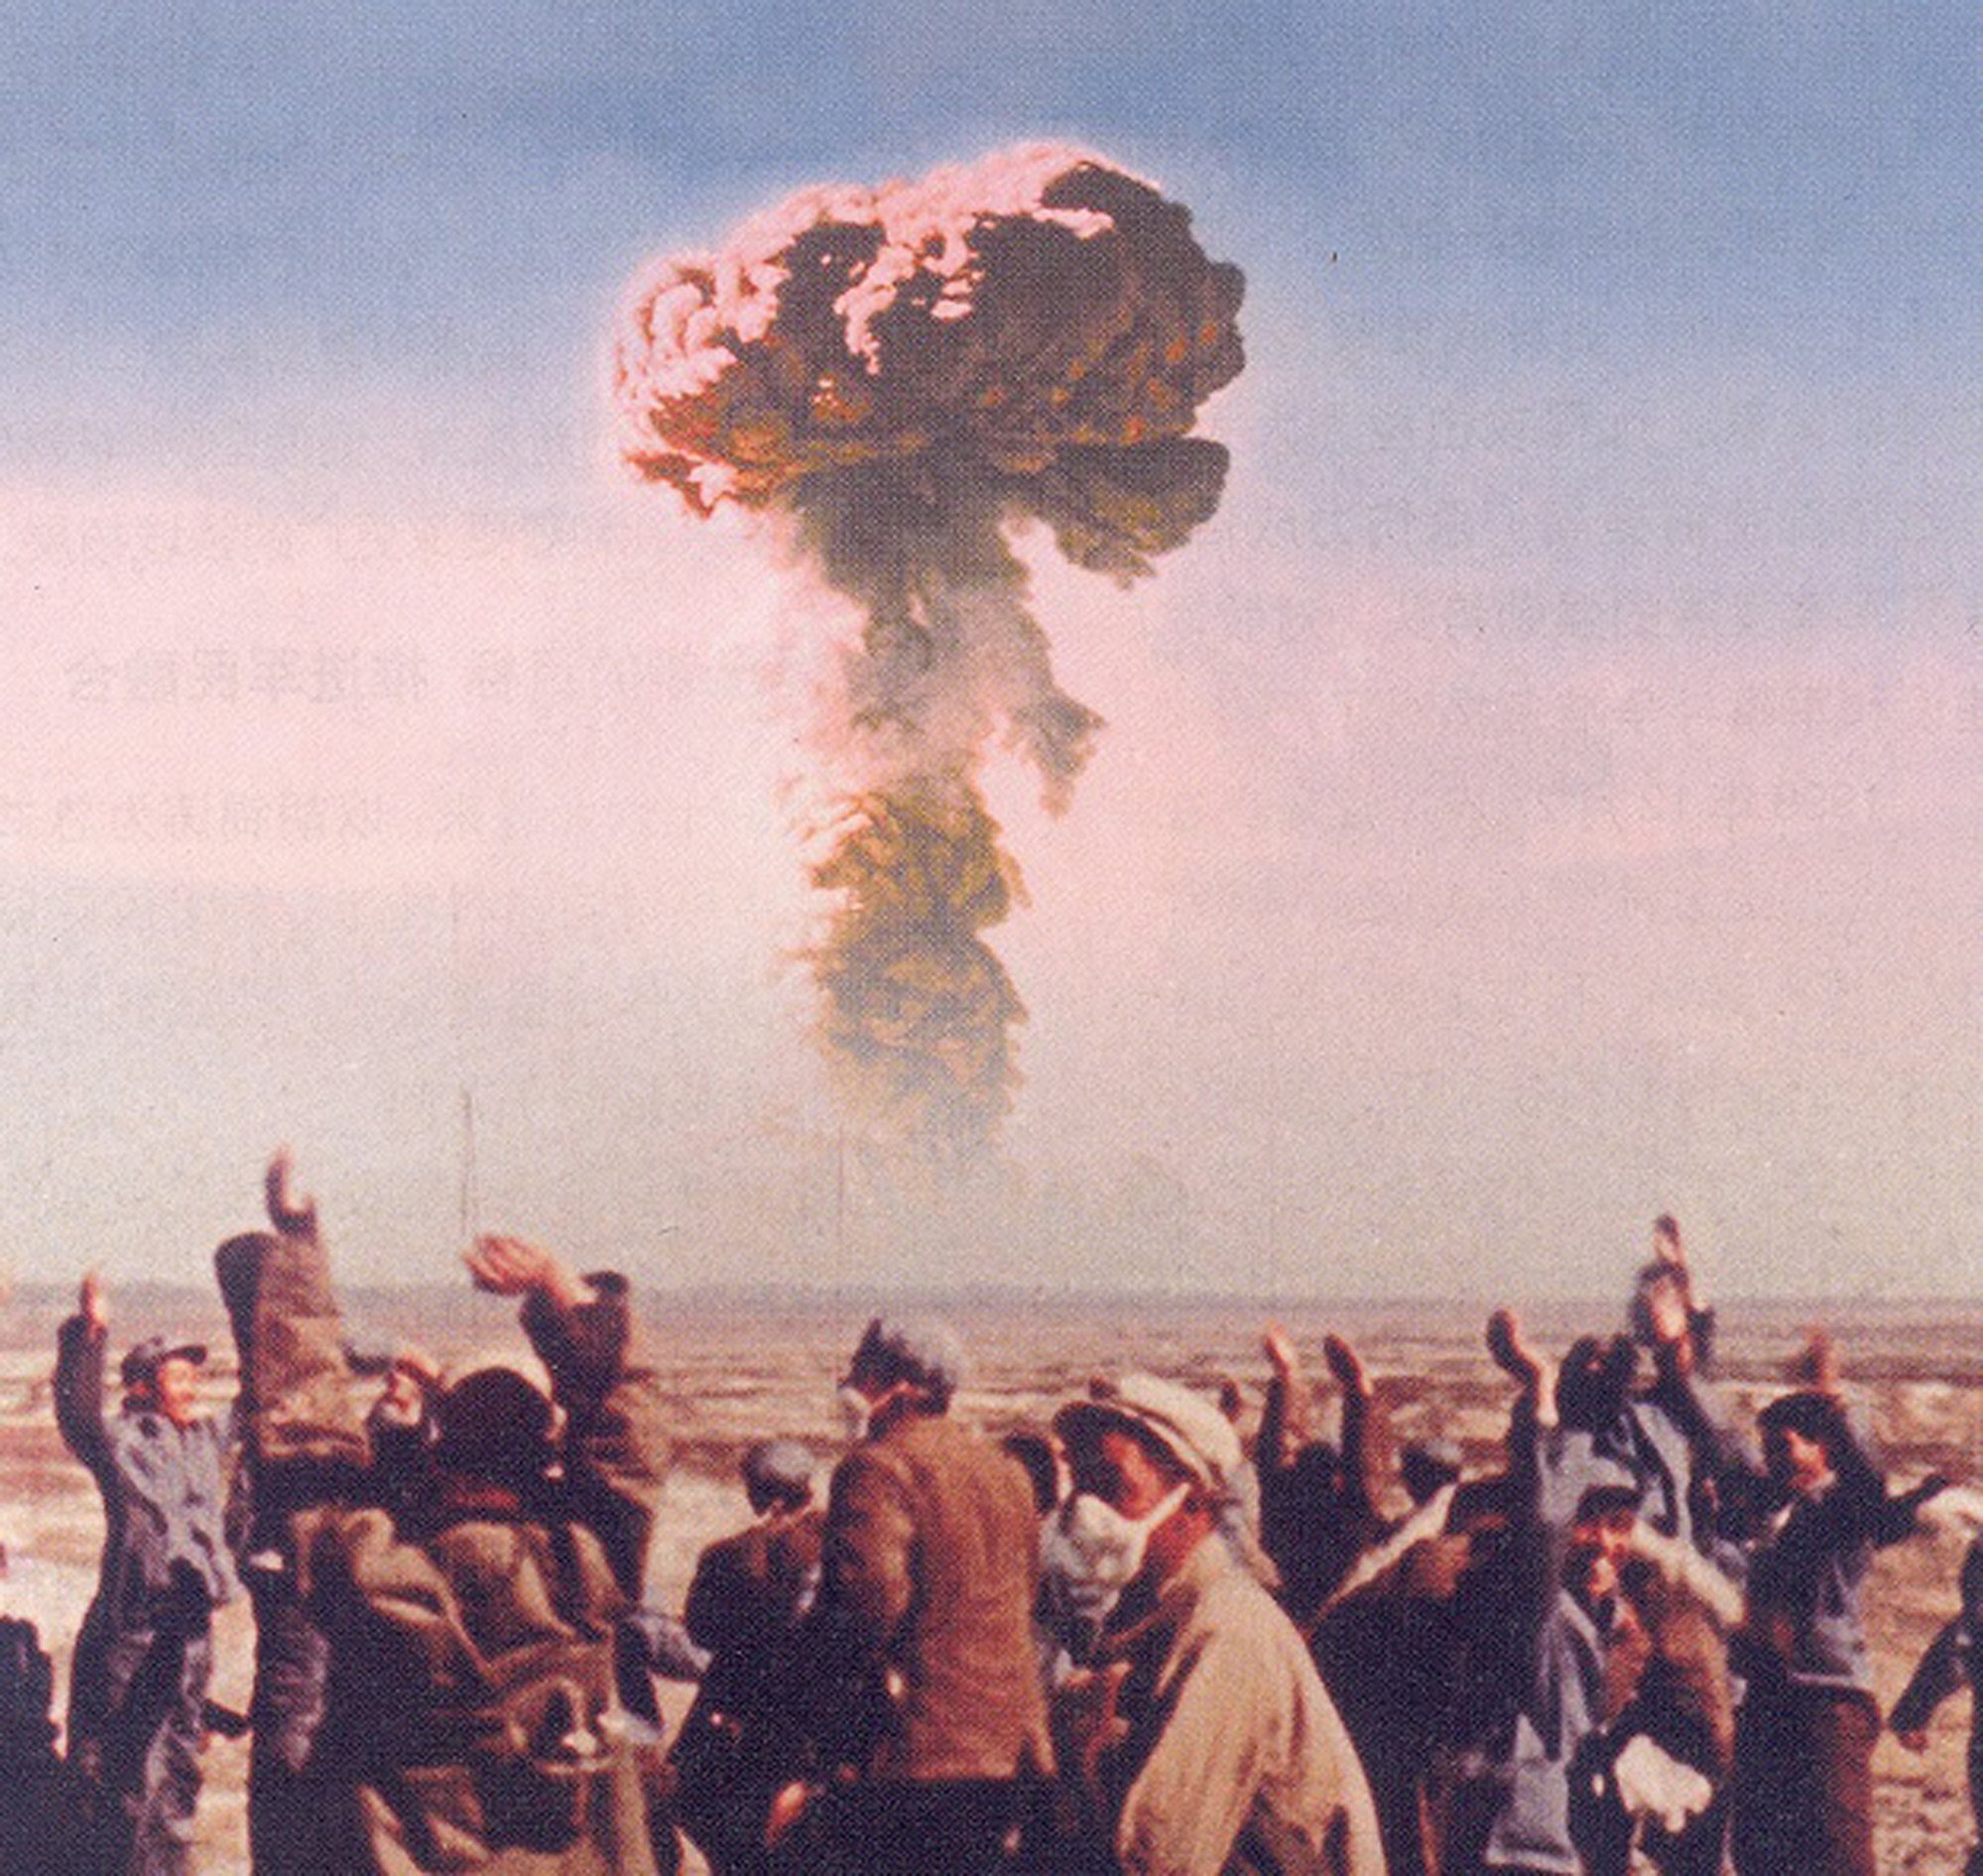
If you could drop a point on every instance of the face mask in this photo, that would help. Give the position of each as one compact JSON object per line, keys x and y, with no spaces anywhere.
{"x":1107,"y":1547}
{"x":856,"y":1414}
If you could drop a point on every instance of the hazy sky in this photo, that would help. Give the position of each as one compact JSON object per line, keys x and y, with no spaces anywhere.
{"x":1549,"y":792}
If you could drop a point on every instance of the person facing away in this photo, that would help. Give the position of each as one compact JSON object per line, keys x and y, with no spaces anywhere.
{"x":470,"y":1714}
{"x":144,"y":1654}
{"x":1204,"y":1743}
{"x":919,"y":1661}
{"x":748,"y":1594}
{"x":1954,"y":1657}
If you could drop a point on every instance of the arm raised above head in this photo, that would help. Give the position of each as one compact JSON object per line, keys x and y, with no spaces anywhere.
{"x":515,"y":1267}
{"x":602,"y":1374}
{"x":295,"y":1398}
{"x":291,"y":1215}
{"x":81,"y":1344}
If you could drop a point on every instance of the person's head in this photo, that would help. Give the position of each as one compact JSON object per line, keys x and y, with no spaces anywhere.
{"x":901,"y":1367}
{"x":492,"y":1422}
{"x":1806,"y":1442}
{"x":162,"y":1376}
{"x":1600,"y":1538}
{"x":1316,"y":1472}
{"x":1157,"y":1455}
{"x":1595,"y":1381}
{"x":1429,"y":1466}
{"x":778,"y":1476}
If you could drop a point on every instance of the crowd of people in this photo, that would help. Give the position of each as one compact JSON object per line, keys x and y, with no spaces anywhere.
{"x":1133,"y":1640}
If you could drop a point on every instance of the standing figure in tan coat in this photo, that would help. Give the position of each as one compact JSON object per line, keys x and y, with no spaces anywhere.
{"x":1203,"y":1742}
{"x":926,"y":1609}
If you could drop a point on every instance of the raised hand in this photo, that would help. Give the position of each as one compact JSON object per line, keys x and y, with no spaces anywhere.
{"x":1346,"y":1365}
{"x":1279,"y":1349}
{"x":1815,"y":1365}
{"x":1512,"y":1355}
{"x":294,"y":1217}
{"x":513,"y":1266}
{"x":92,"y":1304}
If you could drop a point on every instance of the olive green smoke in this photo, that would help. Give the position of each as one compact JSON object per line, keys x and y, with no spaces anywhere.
{"x":898,"y":379}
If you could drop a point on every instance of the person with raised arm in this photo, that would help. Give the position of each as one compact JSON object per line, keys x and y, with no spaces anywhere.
{"x":470,"y":1715}
{"x":144,"y":1654}
{"x":1803,"y":1755}
{"x":1595,"y":1710}
{"x":1318,"y":1509}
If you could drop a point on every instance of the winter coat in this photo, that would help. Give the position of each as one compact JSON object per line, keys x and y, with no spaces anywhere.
{"x":932,"y":1547}
{"x":472,"y":1719}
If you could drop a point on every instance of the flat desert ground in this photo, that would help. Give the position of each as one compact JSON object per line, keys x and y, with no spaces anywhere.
{"x":741,"y":1370}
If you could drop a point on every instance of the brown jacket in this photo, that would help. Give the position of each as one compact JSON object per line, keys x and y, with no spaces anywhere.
{"x":750,"y":1593}
{"x":930,"y":1562}
{"x":471,"y":1719}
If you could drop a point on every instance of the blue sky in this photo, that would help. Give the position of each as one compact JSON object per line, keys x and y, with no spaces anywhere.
{"x":210,"y":194}
{"x":1592,"y":625}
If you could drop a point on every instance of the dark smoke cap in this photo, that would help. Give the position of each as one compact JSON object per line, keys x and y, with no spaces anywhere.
{"x":928,"y":1356}
{"x":141,"y":1365}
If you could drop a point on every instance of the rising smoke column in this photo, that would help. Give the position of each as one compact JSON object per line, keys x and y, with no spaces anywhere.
{"x":893,"y":378}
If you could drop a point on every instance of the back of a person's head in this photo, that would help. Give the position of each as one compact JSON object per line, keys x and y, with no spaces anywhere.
{"x":925,"y":1357}
{"x":492,"y":1424}
{"x":778,"y":1474}
{"x":1595,"y":1380}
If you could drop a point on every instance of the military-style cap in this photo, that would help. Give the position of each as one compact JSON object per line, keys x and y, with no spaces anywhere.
{"x":926,"y":1354}
{"x":143,"y":1361}
{"x":1185,"y":1424}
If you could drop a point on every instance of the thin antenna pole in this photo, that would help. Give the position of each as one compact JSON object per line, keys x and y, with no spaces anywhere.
{"x":471,"y":1212}
{"x":471,"y":1224}
{"x":840,"y":1202}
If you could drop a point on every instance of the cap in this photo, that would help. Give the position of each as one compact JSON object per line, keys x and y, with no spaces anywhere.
{"x":777,"y":1468}
{"x":143,"y":1361}
{"x":1608,"y":1485}
{"x":926,"y":1354}
{"x":1185,"y":1424}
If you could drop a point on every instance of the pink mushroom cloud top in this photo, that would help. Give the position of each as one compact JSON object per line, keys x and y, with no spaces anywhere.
{"x":896,"y":378}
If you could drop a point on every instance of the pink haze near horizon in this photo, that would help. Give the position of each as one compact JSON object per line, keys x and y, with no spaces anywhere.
{"x":1394,"y":944}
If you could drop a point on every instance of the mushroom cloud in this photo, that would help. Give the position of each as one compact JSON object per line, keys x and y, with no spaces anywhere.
{"x":894,"y":379}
